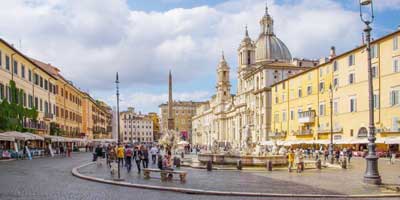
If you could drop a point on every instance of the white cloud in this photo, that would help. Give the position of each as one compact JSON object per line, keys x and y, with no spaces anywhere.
{"x":89,"y":40}
{"x":387,"y":4}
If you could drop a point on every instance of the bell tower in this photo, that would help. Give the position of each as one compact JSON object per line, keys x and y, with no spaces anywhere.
{"x":223,"y":83}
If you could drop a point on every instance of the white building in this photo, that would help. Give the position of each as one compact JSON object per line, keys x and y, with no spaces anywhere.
{"x":135,"y":127}
{"x":261,"y":63}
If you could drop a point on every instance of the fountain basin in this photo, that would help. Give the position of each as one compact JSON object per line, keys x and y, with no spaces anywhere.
{"x":247,"y":160}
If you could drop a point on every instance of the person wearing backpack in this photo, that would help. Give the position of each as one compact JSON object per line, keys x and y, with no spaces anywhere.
{"x":128,"y":158}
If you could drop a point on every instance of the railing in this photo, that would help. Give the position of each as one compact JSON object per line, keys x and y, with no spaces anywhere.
{"x":278,"y":134}
{"x":34,"y":125}
{"x":48,"y":115}
{"x":307,"y":116}
{"x":335,"y":130}
{"x":305,"y":132}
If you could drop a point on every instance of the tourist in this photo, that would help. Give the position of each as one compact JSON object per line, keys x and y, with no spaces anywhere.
{"x":128,"y":158}
{"x":350,"y":154}
{"x":120,"y":155}
{"x":98,"y":153}
{"x":112,"y":156}
{"x":326,"y":154}
{"x":137,"y":154}
{"x":167,"y":162}
{"x":392,"y":156}
{"x":61,"y":150}
{"x":337,"y":155}
{"x":69,"y":149}
{"x":153,"y":152}
{"x":299,"y":160}
{"x":290,"y":156}
{"x":145,"y":157}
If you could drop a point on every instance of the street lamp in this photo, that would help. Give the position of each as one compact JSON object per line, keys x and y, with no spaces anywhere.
{"x":371,"y":175}
{"x":118,"y":124}
{"x":331,"y":123}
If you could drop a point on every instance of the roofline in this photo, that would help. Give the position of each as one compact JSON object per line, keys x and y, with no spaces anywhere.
{"x":340,"y":55}
{"x":26,"y":57}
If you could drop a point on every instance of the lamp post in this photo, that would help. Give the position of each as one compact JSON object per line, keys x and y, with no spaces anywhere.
{"x":371,"y":175}
{"x":118,"y":124}
{"x":331,"y":122}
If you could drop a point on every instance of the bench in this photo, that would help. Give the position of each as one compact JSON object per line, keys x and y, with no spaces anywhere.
{"x":165,"y":174}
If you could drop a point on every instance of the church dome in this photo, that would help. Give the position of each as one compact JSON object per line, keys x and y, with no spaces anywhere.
{"x":268,"y":46}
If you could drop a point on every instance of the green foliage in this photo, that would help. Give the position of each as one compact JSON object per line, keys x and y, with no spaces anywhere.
{"x":13,"y":113}
{"x":54,"y":129}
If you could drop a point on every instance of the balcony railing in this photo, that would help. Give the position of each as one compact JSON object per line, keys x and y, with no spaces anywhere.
{"x":307,"y":116}
{"x":34,"y":125}
{"x":335,"y":130}
{"x":48,"y":116}
{"x":278,"y":134}
{"x":305,"y":132}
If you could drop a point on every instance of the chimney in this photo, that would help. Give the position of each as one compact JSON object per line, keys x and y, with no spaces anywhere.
{"x":332,"y":54}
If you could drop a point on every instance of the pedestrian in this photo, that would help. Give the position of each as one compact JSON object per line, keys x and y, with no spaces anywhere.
{"x":337,"y":155}
{"x":153,"y":152}
{"x":98,"y":153}
{"x":69,"y":149}
{"x":350,"y":154}
{"x":120,"y":155}
{"x":145,"y":157}
{"x":137,"y":154}
{"x":299,"y":160}
{"x":392,"y":156}
{"x":326,"y":154}
{"x":290,"y":157}
{"x":128,"y":158}
{"x":61,"y":150}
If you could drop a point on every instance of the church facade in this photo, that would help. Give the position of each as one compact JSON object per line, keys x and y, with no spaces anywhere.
{"x":261,"y":63}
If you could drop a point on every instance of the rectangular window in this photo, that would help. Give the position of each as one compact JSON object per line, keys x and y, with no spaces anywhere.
{"x":353,"y":104}
{"x":46,"y":85}
{"x":24,"y":99}
{"x":376,"y":101}
{"x":396,"y":65}
{"x":395,"y":124}
{"x":351,"y":60}
{"x":321,"y":109}
{"x":23,"y":71}
{"x":36,"y":79}
{"x":300,"y":92}
{"x":374,"y":51}
{"x":283,"y":116}
{"x":30,"y":75}
{"x":36,"y":103}
{"x":1,"y":91}
{"x":41,"y":105}
{"x":336,"y":107}
{"x":395,"y":43}
{"x":15,"y":67}
{"x":30,"y":101}
{"x":335,"y":82}
{"x":335,"y":66}
{"x":8,"y":63}
{"x":291,"y":114}
{"x":321,"y":86}
{"x":375,"y":71}
{"x":41,"y":81}
{"x":351,"y":78}
{"x":50,"y":87}
{"x":309,"y":90}
{"x":394,"y":97}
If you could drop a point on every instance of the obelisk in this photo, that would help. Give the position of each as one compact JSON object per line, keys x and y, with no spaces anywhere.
{"x":171,"y":124}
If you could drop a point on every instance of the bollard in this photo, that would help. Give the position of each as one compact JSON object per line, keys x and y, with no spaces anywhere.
{"x":239,"y":165}
{"x":318,"y":164}
{"x":344,"y":163}
{"x":268,"y":165}
{"x":209,"y":166}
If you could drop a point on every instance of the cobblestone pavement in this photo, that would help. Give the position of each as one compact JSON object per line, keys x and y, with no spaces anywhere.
{"x":50,"y":178}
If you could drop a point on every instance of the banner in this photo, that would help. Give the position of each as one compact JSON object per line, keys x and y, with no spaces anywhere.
{"x":28,"y":152}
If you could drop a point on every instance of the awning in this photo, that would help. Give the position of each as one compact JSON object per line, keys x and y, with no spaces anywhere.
{"x":6,"y":138}
{"x":54,"y":138}
{"x":19,"y":136}
{"x":105,"y":140}
{"x":392,"y":140}
{"x":36,"y":137}
{"x":268,"y":143}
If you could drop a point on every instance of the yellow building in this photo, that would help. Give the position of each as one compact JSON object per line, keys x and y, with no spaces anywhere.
{"x":301,"y":104}
{"x":37,"y":84}
{"x":68,"y":108}
{"x":97,"y":117}
{"x":156,"y":125}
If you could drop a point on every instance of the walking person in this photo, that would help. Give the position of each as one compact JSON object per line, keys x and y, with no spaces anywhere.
{"x":98,"y":153}
{"x":61,"y":150}
{"x":137,"y":154}
{"x":120,"y":155}
{"x":392,"y":156}
{"x":153,"y":152}
{"x":128,"y":158}
{"x":145,"y":158}
{"x":290,"y":159}
{"x":350,"y":154}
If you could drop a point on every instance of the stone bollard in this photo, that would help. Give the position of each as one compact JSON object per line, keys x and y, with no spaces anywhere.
{"x":239,"y":165}
{"x":209,"y":165}
{"x":344,"y":163}
{"x":268,"y":165}
{"x":318,"y":164}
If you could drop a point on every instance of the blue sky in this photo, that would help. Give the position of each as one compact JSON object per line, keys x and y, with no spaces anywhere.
{"x":89,"y":40}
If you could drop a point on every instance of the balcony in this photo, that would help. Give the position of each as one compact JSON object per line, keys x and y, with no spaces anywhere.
{"x":305,"y":132}
{"x":48,"y":116}
{"x":34,"y":125}
{"x":335,"y":130}
{"x":307,"y":117}
{"x":277,"y":134}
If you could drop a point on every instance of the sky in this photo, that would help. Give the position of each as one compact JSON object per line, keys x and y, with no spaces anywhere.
{"x":91,"y":40}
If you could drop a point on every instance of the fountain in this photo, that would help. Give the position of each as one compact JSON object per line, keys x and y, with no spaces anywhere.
{"x":250,"y":155}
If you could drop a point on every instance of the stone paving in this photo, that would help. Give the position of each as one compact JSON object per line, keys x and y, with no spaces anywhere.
{"x":325,"y":181}
{"x":50,"y":178}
